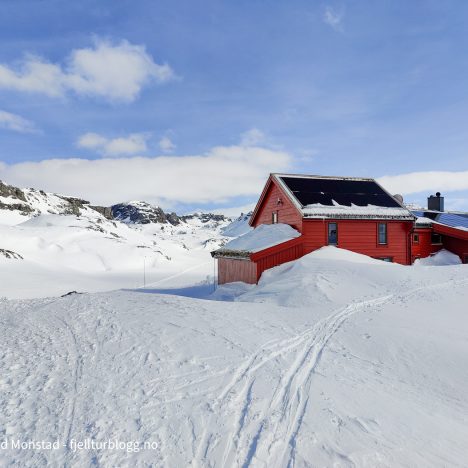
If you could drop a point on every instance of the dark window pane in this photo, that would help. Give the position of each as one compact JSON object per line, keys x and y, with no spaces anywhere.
{"x":436,"y":239}
{"x":332,"y":233}
{"x":382,"y":233}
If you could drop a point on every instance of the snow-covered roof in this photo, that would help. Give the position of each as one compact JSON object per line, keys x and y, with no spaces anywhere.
{"x":341,"y":197}
{"x":453,"y":220}
{"x":422,"y":221}
{"x":318,"y":210}
{"x":260,"y":238}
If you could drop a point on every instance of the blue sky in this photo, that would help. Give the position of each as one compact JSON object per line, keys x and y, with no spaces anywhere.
{"x":201,"y":99}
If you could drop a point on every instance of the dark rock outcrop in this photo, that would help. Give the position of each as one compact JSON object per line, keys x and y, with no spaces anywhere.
{"x":106,"y":211}
{"x":205,"y":217}
{"x":9,"y":191}
{"x":142,"y":213}
{"x":10,"y":254}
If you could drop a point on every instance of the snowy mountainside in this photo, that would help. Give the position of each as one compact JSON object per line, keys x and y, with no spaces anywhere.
{"x":239,"y":226}
{"x":17,"y":205}
{"x":374,"y":379}
{"x":52,"y":244}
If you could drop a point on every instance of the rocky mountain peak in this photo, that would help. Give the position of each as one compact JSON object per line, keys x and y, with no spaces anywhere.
{"x":139,"y":212}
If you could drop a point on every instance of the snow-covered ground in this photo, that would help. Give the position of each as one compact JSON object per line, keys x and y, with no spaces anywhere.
{"x":333,"y":360}
{"x":52,"y":244}
{"x":62,"y":253}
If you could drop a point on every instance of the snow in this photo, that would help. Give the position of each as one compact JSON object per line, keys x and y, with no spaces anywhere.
{"x":333,"y":360}
{"x":238,"y":227}
{"x":65,"y":253}
{"x":422,"y":220}
{"x":262,"y":237}
{"x":317,"y":210}
{"x":441,"y":258}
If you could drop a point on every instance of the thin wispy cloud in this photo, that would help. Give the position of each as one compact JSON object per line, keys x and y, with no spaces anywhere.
{"x":252,"y":137}
{"x":16,"y":123}
{"x":334,"y":18}
{"x":114,"y":72}
{"x":133,"y":144}
{"x":166,"y":145}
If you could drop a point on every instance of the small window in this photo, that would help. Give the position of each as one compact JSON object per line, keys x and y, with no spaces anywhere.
{"x":385,"y":259}
{"x":274,"y":217}
{"x":332,"y":234}
{"x":436,"y":238}
{"x":415,"y":238}
{"x":382,"y":233}
{"x":465,"y":258}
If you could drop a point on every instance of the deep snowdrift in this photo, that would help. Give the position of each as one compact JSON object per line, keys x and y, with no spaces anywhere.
{"x":441,"y":258}
{"x":368,"y":368}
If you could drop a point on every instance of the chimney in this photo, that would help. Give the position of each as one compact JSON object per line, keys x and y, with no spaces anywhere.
{"x":435,"y":203}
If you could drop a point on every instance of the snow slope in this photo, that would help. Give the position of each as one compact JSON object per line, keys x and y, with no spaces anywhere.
{"x":58,"y":253}
{"x":364,"y":364}
{"x":52,"y":244}
{"x":66,"y":253}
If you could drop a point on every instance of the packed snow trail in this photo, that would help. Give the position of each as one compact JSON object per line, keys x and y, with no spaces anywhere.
{"x":286,"y":407}
{"x":379,"y":382}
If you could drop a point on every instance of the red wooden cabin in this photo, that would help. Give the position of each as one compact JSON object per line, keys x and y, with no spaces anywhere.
{"x":352,"y":213}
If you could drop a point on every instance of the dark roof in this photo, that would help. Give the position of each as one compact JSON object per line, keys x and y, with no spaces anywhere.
{"x":449,"y":219}
{"x":344,"y":191}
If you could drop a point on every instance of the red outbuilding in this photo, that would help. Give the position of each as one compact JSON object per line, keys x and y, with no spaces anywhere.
{"x":348,"y":212}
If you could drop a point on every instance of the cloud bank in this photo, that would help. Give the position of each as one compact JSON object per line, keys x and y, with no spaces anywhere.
{"x":222,"y":174}
{"x":430,"y":182}
{"x":114,"y":72}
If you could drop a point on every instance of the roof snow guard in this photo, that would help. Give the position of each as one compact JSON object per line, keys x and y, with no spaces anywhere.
{"x":341,"y":197}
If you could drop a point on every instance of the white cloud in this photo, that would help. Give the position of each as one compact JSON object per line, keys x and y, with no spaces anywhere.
{"x":115,"y":72}
{"x":334,"y":18}
{"x":430,"y":182}
{"x":166,"y":145}
{"x":215,"y":177}
{"x":16,"y":123}
{"x":134,"y":143}
{"x":252,"y":137}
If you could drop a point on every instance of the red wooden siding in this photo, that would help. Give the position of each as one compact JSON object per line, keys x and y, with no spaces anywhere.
{"x":233,"y":269}
{"x":360,"y":235}
{"x":455,"y":240}
{"x":287,"y":211}
{"x":457,"y":246}
{"x":424,"y":247}
{"x":277,"y":255}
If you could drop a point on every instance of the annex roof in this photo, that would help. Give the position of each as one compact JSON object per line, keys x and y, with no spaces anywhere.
{"x":454,"y":220}
{"x":261,"y":238}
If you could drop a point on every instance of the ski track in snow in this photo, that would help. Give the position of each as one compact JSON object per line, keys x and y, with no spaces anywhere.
{"x":283,"y":414}
{"x":238,"y":425}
